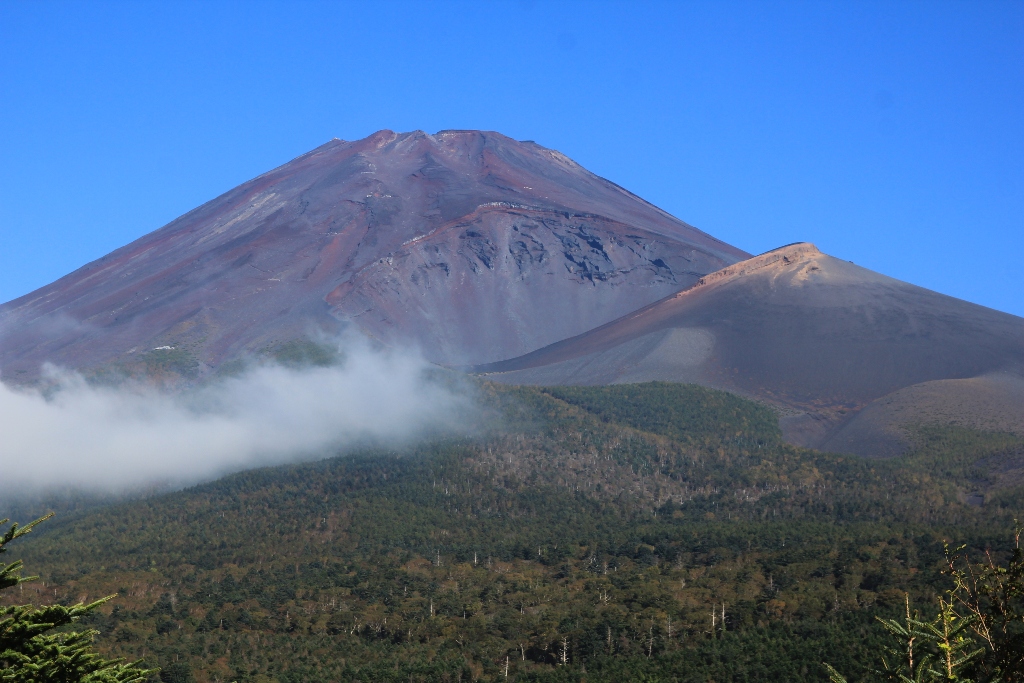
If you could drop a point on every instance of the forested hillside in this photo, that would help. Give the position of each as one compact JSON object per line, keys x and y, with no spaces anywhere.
{"x":655,"y":532}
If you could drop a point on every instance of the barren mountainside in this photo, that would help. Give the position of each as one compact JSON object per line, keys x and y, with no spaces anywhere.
{"x":816,"y":336}
{"x":469,"y":245}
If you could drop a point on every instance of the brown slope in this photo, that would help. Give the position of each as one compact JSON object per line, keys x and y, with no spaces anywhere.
{"x":818,"y":336}
{"x":885,"y":427}
{"x":471,"y":245}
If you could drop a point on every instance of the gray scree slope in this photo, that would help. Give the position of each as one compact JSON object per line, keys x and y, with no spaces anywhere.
{"x":821,"y":338}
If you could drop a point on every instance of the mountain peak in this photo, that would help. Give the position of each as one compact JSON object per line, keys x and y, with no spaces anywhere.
{"x":470,"y":245}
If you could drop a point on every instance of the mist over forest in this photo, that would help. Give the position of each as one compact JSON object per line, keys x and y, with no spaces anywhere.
{"x":128,"y":435}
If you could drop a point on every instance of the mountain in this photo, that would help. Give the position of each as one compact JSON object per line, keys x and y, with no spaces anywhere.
{"x":850,"y":356}
{"x":510,"y":259}
{"x":470,"y":245}
{"x":637,"y":530}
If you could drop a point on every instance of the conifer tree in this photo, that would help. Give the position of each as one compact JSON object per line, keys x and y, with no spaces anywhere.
{"x":984,"y":607}
{"x":32,"y":649}
{"x":991,"y":599}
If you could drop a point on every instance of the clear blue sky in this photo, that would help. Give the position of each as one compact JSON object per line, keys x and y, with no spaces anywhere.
{"x":890,"y":134}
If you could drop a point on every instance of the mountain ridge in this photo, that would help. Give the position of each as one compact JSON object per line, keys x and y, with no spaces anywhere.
{"x":254,"y":266}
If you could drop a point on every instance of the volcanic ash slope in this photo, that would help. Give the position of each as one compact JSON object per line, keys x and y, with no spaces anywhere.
{"x":820,"y":338}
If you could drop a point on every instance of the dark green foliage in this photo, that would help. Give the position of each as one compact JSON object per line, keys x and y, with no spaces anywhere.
{"x":1002,"y":592}
{"x":977,"y":633}
{"x":686,"y":412}
{"x":31,"y":648}
{"x":174,"y":361}
{"x":602,"y":524}
{"x":304,"y":353}
{"x":178,"y":672}
{"x":989,"y":598}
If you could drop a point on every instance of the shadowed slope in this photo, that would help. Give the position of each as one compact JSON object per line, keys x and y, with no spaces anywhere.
{"x":471,"y":245}
{"x":993,"y":403}
{"x":817,"y":336}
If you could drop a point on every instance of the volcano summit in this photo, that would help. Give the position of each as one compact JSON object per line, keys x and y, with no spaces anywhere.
{"x":469,"y":245}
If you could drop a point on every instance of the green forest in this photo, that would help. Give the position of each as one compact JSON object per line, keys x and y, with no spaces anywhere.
{"x":650,"y":532}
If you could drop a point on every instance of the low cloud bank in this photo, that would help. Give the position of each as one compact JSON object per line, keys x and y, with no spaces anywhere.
{"x":131,"y":437}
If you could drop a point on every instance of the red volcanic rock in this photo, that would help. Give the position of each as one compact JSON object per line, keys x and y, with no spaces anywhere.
{"x":469,"y":245}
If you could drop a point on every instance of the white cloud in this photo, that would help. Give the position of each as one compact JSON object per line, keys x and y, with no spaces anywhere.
{"x":122,"y":438}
